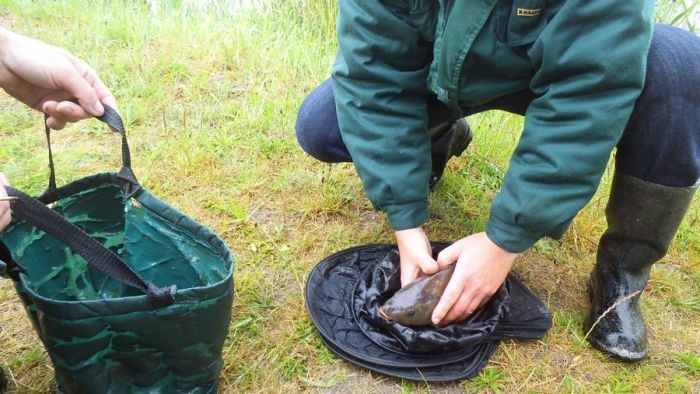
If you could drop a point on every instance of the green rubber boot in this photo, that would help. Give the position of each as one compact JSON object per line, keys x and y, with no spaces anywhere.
{"x":643,"y":218}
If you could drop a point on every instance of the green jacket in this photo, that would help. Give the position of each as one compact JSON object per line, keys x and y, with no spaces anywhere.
{"x":585,"y":60}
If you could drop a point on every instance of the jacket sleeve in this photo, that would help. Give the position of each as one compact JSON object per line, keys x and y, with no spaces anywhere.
{"x":591,"y":64}
{"x":379,"y":83}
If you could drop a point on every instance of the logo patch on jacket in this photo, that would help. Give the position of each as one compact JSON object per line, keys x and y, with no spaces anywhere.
{"x":529,"y":11}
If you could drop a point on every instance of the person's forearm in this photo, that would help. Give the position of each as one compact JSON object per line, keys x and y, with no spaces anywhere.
{"x":5,"y":36}
{"x":48,"y":78}
{"x":584,"y":101}
{"x":380,"y":94}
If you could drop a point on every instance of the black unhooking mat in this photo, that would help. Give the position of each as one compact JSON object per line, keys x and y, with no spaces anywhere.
{"x":343,"y":296}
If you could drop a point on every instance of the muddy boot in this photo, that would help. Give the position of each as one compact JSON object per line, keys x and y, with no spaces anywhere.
{"x":448,"y":140}
{"x":643,"y":218}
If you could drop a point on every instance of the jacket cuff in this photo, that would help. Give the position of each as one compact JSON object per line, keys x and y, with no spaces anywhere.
{"x":510,"y":238}
{"x":409,"y":215}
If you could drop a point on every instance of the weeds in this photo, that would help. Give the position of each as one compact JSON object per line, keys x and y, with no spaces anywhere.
{"x":210,"y":102}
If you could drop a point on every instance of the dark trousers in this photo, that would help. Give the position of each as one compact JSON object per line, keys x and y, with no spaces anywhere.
{"x":660,"y":144}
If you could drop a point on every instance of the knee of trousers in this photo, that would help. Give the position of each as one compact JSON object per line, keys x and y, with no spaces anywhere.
{"x":317,"y":129}
{"x":661,"y":143}
{"x":673,"y":67}
{"x":314,"y":135}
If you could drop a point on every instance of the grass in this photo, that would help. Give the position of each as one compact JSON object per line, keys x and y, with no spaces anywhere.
{"x":210,"y":102}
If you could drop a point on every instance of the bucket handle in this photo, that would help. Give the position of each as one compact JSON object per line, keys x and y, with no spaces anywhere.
{"x":34,"y":212}
{"x":127,"y":180}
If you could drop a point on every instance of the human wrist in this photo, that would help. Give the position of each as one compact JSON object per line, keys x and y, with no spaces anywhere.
{"x":512,"y":238}
{"x":4,"y":35}
{"x":4,"y":39}
{"x":499,"y":252}
{"x":5,"y":43}
{"x":407,"y":215}
{"x":405,"y":235}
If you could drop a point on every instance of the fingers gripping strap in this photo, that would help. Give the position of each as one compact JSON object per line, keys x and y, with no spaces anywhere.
{"x":34,"y":212}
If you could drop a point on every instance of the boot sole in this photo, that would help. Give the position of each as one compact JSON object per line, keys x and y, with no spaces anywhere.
{"x":618,"y":354}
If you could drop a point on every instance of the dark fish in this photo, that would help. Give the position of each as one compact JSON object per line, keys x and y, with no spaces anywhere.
{"x":413,"y":305}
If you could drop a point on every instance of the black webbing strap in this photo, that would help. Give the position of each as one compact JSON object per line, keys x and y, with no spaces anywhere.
{"x":34,"y":212}
{"x":52,"y":169}
{"x":127,"y":180}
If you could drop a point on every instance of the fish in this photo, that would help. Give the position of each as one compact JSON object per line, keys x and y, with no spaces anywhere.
{"x":413,"y":305}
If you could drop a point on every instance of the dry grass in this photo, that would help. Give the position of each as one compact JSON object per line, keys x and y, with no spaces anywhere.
{"x":210,"y":104}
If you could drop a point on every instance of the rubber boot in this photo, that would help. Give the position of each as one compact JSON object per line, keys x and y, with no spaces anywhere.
{"x":448,"y":140}
{"x":643,"y":218}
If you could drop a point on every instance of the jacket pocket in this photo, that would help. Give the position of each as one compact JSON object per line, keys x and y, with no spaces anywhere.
{"x":520,"y":22}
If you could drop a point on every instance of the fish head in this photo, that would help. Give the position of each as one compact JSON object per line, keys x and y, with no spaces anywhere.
{"x":406,"y":310}
{"x":413,"y":305}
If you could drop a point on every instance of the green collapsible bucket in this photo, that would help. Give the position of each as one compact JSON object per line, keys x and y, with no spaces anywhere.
{"x":126,"y":293}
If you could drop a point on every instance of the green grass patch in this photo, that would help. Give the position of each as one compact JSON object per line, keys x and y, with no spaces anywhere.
{"x":210,"y":102}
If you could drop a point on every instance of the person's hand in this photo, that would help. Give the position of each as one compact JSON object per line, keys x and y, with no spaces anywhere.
{"x":482,"y":266}
{"x":4,"y":205}
{"x":416,"y":255}
{"x":45,"y":77}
